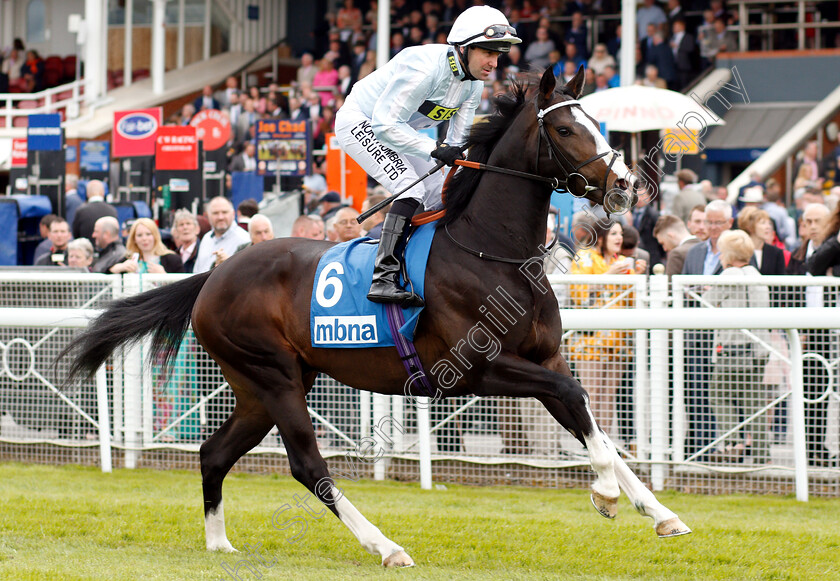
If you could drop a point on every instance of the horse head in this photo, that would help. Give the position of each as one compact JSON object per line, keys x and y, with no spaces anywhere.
{"x":571,"y":148}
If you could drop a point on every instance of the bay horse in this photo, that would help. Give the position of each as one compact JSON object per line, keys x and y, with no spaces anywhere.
{"x":251,"y":314}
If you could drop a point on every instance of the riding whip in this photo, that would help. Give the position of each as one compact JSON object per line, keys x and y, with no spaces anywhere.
{"x":371,"y":211}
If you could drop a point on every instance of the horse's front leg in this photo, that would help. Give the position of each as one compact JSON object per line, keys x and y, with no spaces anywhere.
{"x":568,"y":402}
{"x":666,"y":522}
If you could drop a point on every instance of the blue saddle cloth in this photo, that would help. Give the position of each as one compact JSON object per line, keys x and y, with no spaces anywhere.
{"x":340,"y":314}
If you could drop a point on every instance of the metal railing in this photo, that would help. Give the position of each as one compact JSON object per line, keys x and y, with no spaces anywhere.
{"x":47,"y":101}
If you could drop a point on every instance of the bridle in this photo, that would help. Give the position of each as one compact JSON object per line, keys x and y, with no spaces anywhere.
{"x":556,"y":155}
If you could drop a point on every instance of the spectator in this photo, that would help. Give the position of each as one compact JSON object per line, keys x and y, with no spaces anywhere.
{"x":186,"y":225}
{"x":649,"y":14}
{"x":613,"y":79}
{"x":372,"y":227}
{"x":348,"y":17}
{"x":187,"y":113}
{"x":630,"y":248}
{"x":757,"y":224}
{"x":707,"y":40}
{"x":752,"y":197}
{"x":59,"y":237}
{"x":676,"y":240}
{"x":600,"y":357}
{"x":329,"y":204}
{"x":652,"y":78}
{"x":234,"y":110}
{"x":369,"y":65}
{"x":72,"y":199}
{"x":326,"y":81}
{"x":577,"y":34}
{"x":675,"y":13}
{"x":705,"y":258}
{"x":346,"y":226}
{"x":206,"y":100}
{"x":245,"y":121}
{"x":688,"y":197}
{"x":774,"y":206}
{"x":308,"y":226}
{"x":43,"y":247}
{"x":570,"y":53}
{"x":260,"y":229}
{"x":260,"y":102}
{"x":600,"y":58}
{"x":662,"y":56}
{"x":296,"y":112}
{"x":684,"y":48}
{"x":11,"y":68}
{"x":246,"y":160}
{"x":231,"y":86}
{"x":645,"y":216}
{"x":825,"y":259}
{"x":815,"y":221}
{"x":32,"y":72}
{"x":725,"y":39}
{"x":306,"y":71}
{"x":95,"y":208}
{"x":538,"y":51}
{"x":737,"y":389}
{"x":245,"y":210}
{"x":809,"y":159}
{"x":106,"y":236}
{"x":80,"y":254}
{"x":145,"y":252}
{"x":345,"y":80}
{"x":224,"y":238}
{"x":696,"y":224}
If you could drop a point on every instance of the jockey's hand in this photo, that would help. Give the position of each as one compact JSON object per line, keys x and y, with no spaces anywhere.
{"x":448,"y":153}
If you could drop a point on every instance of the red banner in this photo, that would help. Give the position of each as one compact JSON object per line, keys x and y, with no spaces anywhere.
{"x":212,"y":127}
{"x":19,"y":152}
{"x":177,"y":148}
{"x":134,"y":132}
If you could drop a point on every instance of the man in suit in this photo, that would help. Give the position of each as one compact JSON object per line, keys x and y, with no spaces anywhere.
{"x":685,"y":48}
{"x":296,"y":112}
{"x":688,"y":197}
{"x":245,"y":161}
{"x":703,"y":258}
{"x":106,"y":236}
{"x":206,"y":100}
{"x":95,"y":208}
{"x":645,"y":216}
{"x":675,"y":238}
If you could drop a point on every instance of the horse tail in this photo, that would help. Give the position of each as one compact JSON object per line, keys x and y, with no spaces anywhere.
{"x":164,"y":312}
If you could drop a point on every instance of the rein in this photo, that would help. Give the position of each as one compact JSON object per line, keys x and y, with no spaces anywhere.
{"x":555,"y":154}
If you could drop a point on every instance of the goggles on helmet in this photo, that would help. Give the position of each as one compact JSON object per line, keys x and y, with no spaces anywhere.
{"x":493,"y":31}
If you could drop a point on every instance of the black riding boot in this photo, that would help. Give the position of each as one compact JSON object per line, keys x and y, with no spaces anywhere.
{"x":386,"y":271}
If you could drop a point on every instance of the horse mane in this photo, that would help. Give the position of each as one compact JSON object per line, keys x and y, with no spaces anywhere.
{"x":482,"y":140}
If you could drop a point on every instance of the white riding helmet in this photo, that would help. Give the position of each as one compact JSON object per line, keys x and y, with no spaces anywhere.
{"x":484,"y":27}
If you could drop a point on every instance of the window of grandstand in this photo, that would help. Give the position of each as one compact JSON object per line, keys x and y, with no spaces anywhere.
{"x":36,"y":14}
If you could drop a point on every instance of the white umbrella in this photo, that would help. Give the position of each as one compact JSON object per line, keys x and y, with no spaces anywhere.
{"x":637,"y":108}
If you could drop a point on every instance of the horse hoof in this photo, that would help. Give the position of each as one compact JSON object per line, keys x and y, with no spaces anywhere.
{"x":398,"y":559}
{"x":607,"y":507}
{"x":673,"y":527}
{"x":224,"y":547}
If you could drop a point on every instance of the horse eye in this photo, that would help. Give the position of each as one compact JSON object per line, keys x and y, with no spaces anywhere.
{"x":564,"y":131}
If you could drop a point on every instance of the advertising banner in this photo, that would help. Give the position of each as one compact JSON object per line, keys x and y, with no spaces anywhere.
{"x":212,"y":127}
{"x":177,"y":148}
{"x":94,"y":155}
{"x":44,"y":132}
{"x":134,"y":132}
{"x":19,"y":152}
{"x":285,"y":146}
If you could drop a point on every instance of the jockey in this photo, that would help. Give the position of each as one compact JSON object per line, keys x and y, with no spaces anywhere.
{"x":420,"y":87}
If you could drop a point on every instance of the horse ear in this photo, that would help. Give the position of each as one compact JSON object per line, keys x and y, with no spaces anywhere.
{"x":575,"y":86}
{"x":547,"y":84}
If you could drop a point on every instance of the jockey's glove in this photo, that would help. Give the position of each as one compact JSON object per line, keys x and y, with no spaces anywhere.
{"x":448,"y":153}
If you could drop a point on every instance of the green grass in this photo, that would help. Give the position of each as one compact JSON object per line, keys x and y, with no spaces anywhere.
{"x":72,"y":523}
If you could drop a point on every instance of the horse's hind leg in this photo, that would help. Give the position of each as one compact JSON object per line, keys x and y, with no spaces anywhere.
{"x":287,"y":405}
{"x":243,"y":430}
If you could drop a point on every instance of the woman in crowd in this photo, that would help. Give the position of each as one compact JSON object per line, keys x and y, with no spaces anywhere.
{"x":759,"y":226}
{"x":737,"y":390}
{"x":601,"y":357}
{"x":146,"y":252}
{"x":80,"y":254}
{"x":326,"y":81}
